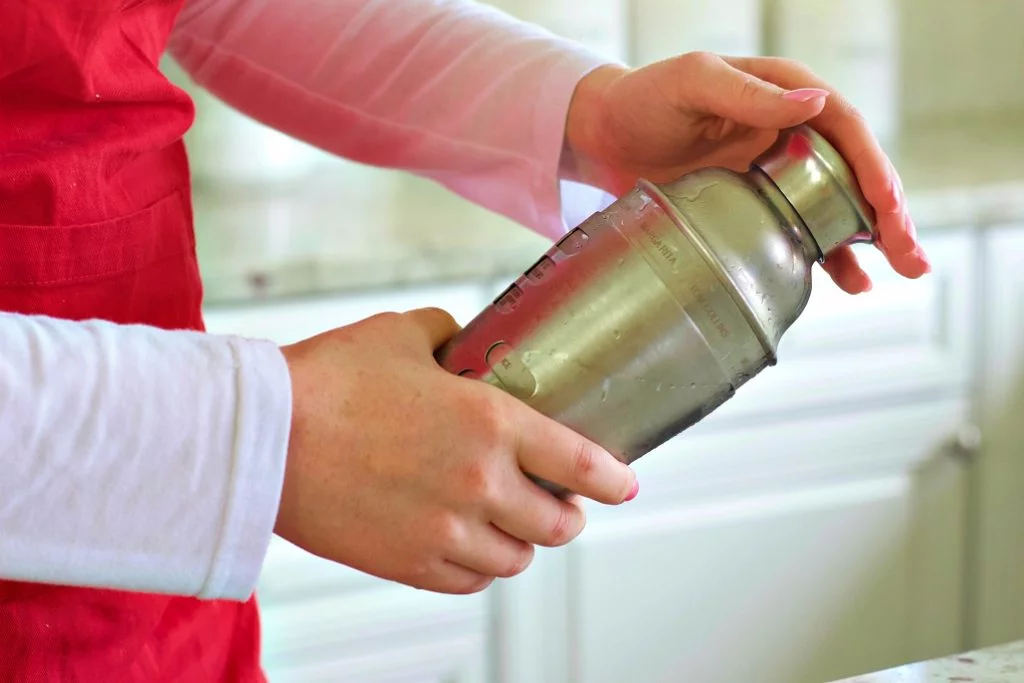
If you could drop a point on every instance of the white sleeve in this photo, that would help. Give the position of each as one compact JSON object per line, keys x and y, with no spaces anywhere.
{"x":136,"y":458}
{"x":452,"y":90}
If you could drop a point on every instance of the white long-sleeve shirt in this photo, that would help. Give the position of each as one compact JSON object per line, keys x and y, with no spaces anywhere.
{"x":157,"y":463}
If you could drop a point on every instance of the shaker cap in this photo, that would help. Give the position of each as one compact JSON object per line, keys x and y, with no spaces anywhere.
{"x":822,"y":188}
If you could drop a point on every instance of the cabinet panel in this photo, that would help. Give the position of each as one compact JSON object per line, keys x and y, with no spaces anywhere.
{"x":999,"y":590}
{"x":796,"y":560}
{"x":390,"y":635}
{"x":800,"y":587}
{"x":905,"y":339}
{"x":779,"y":455}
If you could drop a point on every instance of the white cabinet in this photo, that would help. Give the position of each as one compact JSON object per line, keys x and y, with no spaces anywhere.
{"x":904,"y":340}
{"x":998,"y":581}
{"x":384,"y":633}
{"x":325,"y":623}
{"x":821,"y":524}
{"x":849,"y":559}
{"x":815,"y":529}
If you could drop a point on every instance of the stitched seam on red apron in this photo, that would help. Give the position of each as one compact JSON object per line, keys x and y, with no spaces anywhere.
{"x":119,"y":245}
{"x":97,"y":276}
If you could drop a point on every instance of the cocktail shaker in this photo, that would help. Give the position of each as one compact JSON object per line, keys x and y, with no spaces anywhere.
{"x":652,"y":313}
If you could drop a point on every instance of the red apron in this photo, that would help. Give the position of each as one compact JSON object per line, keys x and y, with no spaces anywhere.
{"x":96,"y":222}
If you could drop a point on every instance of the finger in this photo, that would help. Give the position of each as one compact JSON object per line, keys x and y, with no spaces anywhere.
{"x":846,"y":272}
{"x":451,"y":578}
{"x":436,"y":324}
{"x":553,"y":452}
{"x":532,"y":514}
{"x":912,"y":265}
{"x":490,"y":551}
{"x":844,"y":127}
{"x":717,"y":87}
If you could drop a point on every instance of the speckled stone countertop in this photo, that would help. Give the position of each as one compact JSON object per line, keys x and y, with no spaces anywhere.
{"x":1003,"y":664}
{"x":356,"y":228}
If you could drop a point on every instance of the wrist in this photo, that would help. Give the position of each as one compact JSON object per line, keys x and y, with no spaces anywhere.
{"x":293,"y":355}
{"x":585,"y":155}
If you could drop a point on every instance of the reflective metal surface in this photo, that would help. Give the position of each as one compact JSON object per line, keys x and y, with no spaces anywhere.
{"x":649,"y":315}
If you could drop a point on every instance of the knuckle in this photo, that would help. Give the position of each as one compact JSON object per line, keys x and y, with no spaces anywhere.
{"x":519,"y":563}
{"x":493,"y":422}
{"x":449,"y":531}
{"x":698,"y":58}
{"x":584,"y":462}
{"x":479,"y":481}
{"x":384,"y":318}
{"x":790,"y":64}
{"x":849,"y":110}
{"x":563,"y":529}
{"x":749,"y":90}
{"x":786,"y":65}
{"x":442,"y":313}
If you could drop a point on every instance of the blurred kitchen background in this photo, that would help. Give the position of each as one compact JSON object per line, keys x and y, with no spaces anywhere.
{"x":858,"y":506}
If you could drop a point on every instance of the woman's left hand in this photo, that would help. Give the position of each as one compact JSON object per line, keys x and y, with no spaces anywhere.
{"x":696,"y":110}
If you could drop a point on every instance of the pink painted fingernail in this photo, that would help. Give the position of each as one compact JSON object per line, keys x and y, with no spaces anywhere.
{"x":633,"y":491}
{"x":805,"y":94}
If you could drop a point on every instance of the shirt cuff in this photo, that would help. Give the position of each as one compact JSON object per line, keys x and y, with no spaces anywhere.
{"x":259,"y":453}
{"x":561,"y":204}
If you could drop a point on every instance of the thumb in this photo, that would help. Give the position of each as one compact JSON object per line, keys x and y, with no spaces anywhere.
{"x":722,"y":90}
{"x":436,"y":325}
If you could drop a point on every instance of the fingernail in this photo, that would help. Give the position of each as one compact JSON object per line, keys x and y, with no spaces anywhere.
{"x":633,"y":491}
{"x":805,"y":94}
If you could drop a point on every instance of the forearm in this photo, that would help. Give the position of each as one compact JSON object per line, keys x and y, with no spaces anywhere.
{"x":454,"y":91}
{"x":139,"y":459}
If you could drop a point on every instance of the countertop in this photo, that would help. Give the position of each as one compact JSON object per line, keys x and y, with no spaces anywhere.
{"x":1002,"y":664}
{"x":351,"y":227}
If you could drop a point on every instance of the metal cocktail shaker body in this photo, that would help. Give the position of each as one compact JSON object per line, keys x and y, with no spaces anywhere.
{"x":652,"y":313}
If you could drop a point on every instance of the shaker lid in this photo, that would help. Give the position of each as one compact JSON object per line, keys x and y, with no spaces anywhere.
{"x":821,"y":186}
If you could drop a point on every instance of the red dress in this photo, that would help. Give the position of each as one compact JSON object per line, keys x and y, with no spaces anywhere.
{"x":96,"y":222}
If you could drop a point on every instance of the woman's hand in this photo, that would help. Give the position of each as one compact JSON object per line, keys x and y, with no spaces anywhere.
{"x":400,"y":469}
{"x":671,"y":117}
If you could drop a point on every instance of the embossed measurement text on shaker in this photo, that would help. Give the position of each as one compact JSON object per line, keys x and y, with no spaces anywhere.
{"x":709,"y":311}
{"x":659,"y":245}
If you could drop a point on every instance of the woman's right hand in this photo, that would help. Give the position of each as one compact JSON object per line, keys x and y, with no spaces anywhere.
{"x":398,"y":468}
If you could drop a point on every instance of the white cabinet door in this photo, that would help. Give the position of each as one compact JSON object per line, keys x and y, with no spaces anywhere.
{"x":325,"y":623}
{"x":904,"y":340}
{"x":999,"y":579}
{"x":845,"y":556}
{"x":384,"y":634}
